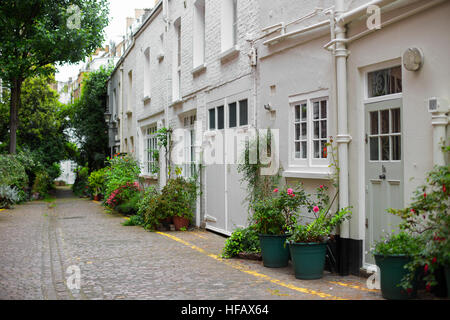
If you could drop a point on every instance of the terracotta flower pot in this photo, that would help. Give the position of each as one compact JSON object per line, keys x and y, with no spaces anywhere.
{"x":180,"y":222}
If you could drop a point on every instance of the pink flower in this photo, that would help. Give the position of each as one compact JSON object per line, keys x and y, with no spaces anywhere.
{"x":425,"y":269}
{"x":321,"y":186}
{"x":290,"y":191}
{"x":434,"y":260}
{"x":316,"y":209}
{"x":275,"y":190}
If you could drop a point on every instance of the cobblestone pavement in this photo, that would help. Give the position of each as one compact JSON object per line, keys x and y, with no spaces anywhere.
{"x":40,"y":240}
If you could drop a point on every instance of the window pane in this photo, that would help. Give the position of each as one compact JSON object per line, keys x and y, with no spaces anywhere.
{"x":316,"y":110}
{"x":323,"y":109}
{"x":396,"y":126}
{"x":316,"y":129}
{"x":384,"y":148}
{"x":297,"y":131}
{"x":384,"y":82}
{"x":323,"y":129}
{"x":304,"y":112}
{"x":243,"y":112}
{"x":316,"y":149}
{"x":232,"y":115}
{"x":323,"y":147}
{"x":304,"y":150}
{"x":220,"y":118}
{"x":374,"y":122}
{"x":297,"y":113}
{"x":396,"y":148}
{"x":297,"y":150}
{"x":212,"y":118}
{"x":384,"y":121}
{"x":374,"y":149}
{"x":303,"y":131}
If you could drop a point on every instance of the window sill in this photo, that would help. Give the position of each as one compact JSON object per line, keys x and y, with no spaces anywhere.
{"x":307,"y":174}
{"x":229,"y":54}
{"x":176,"y":102}
{"x":197,"y":70}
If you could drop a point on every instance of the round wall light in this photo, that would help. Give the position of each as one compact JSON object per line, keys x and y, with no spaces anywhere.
{"x":413,"y":59}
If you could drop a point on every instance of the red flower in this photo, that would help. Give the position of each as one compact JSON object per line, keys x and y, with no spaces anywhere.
{"x":321,"y":186}
{"x":434,"y":260}
{"x":428,"y":287}
{"x":409,"y":290}
{"x":424,"y":195}
{"x":275,"y":190}
{"x":425,"y":269}
{"x":444,"y":189}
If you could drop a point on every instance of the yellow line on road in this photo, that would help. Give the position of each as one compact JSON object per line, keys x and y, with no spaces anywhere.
{"x":253,"y":273}
{"x":354,"y":286}
{"x":2,"y":210}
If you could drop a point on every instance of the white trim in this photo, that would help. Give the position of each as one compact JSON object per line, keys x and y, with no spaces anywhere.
{"x":227,"y":233}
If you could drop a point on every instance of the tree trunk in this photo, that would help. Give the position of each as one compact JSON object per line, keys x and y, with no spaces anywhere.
{"x":16,"y":89}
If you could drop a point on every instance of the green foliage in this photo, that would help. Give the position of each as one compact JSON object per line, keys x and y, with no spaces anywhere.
{"x":177,"y":198}
{"x":80,"y":187}
{"x":123,"y":171}
{"x":397,"y":244}
{"x":12,"y":172}
{"x":428,"y":219}
{"x":42,"y":183}
{"x":134,"y":220}
{"x":130,"y":206}
{"x":88,"y":119}
{"x":323,"y":223}
{"x":8,"y":196}
{"x":258,"y":186}
{"x":277,"y":214}
{"x":97,"y":181}
{"x":241,"y":241}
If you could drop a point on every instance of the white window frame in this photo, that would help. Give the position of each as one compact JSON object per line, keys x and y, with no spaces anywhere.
{"x":189,"y":165}
{"x":150,"y":143}
{"x":147,"y":74}
{"x":225,"y":103}
{"x":199,"y":34}
{"x":309,"y":164}
{"x":229,"y":24}
{"x":176,"y":79}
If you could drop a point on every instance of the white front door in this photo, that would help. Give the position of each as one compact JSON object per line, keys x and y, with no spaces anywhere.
{"x":384,"y":169}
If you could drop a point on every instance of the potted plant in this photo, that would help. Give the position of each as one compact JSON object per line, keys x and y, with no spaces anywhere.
{"x":308,"y":242}
{"x":180,"y":197}
{"x":428,"y":218}
{"x":392,"y":254}
{"x":274,"y":217}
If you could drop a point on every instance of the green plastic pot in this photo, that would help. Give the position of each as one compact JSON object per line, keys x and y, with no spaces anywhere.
{"x":274,"y":250}
{"x":308,"y":259}
{"x":392,"y":271}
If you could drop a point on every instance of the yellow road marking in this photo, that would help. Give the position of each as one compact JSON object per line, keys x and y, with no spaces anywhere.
{"x":2,"y":210}
{"x":199,"y":236}
{"x":253,"y":273}
{"x":354,"y":286}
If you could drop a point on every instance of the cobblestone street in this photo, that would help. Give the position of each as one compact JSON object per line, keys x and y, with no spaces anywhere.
{"x":40,"y":240}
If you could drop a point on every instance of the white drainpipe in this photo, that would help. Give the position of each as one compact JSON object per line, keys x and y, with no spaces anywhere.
{"x":342,"y":138}
{"x":439,"y":121}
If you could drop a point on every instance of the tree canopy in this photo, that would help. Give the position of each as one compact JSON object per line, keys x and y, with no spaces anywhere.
{"x":38,"y":33}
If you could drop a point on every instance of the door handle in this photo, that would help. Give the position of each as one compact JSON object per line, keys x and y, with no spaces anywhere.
{"x":382,"y":176}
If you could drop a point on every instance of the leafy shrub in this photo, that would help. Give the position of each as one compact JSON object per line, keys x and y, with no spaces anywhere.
{"x":8,"y":196}
{"x":97,"y":181}
{"x":134,"y":220}
{"x":151,"y":208}
{"x":397,"y":244}
{"x":80,"y":186}
{"x":324,"y":221}
{"x":130,"y":206}
{"x":42,"y":183}
{"x":122,"y":171}
{"x":241,"y":241}
{"x":12,"y":172}
{"x":123,"y":194}
{"x":276,"y":214}
{"x":428,"y":218}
